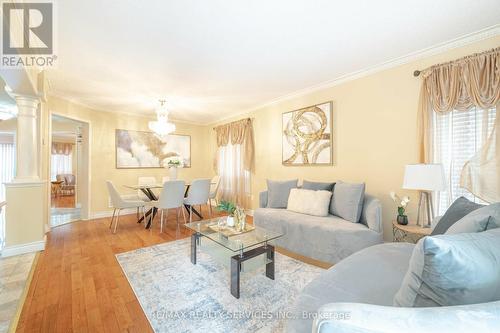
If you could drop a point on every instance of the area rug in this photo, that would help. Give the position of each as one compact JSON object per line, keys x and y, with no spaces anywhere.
{"x":177,"y":296}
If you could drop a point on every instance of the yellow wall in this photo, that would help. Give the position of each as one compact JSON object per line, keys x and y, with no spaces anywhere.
{"x":102,"y":148}
{"x":374,"y":124}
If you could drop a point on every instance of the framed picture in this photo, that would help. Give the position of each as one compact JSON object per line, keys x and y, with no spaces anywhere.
{"x":307,"y":136}
{"x":136,"y":149}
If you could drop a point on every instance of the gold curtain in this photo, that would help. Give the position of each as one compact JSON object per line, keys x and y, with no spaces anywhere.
{"x":241,"y":133}
{"x":234,"y":161}
{"x":62,"y":148}
{"x":458,"y":85}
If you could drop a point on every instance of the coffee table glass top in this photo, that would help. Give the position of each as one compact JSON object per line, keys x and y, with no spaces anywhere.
{"x":234,"y":243}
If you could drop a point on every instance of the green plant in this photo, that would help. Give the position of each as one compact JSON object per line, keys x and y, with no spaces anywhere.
{"x":226,"y":206}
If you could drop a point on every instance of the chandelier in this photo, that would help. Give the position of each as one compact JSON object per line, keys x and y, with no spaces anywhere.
{"x":161,"y":126}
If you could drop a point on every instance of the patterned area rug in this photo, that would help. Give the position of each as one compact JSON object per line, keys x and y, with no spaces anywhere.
{"x":178,"y":296}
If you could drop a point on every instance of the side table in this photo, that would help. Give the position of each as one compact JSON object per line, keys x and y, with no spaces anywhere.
{"x":410,"y":233}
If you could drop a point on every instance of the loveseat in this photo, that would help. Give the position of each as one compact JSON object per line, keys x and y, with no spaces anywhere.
{"x":324,"y":238}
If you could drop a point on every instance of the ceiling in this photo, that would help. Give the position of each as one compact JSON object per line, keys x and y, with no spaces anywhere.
{"x":214,"y":59}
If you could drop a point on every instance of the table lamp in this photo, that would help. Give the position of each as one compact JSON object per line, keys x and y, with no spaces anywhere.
{"x":426,"y":178}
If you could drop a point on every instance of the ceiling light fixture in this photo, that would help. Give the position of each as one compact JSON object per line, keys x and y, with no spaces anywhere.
{"x":161,"y":126}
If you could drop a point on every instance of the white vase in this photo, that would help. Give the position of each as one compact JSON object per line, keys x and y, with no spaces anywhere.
{"x":230,"y":221}
{"x":172,"y":171}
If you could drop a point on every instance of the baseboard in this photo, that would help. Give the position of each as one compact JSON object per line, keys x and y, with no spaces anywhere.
{"x":109,"y":213}
{"x":15,"y":250}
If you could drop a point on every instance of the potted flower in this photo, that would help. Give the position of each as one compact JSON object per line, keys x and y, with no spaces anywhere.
{"x":402,"y":218}
{"x":172,"y":164}
{"x":229,"y":208}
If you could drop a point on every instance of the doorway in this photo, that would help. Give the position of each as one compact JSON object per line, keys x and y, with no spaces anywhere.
{"x":68,"y":170}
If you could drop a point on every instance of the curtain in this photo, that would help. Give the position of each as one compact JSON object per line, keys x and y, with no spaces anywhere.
{"x":461,"y":86}
{"x":60,"y":164}
{"x":234,"y":160}
{"x":62,"y":148}
{"x":7,"y":166}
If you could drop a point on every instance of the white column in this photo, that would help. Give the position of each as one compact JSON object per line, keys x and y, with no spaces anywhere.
{"x":27,"y":147}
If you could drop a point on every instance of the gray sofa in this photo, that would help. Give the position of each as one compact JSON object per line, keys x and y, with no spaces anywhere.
{"x":328,"y":239}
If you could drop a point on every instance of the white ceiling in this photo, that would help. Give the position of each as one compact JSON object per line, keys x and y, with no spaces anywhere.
{"x":212,"y":59}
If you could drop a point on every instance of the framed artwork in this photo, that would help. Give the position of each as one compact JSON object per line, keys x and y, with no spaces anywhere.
{"x":137,"y":149}
{"x":307,"y":136}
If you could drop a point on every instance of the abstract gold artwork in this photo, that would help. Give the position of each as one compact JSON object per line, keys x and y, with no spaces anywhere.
{"x":307,"y":136}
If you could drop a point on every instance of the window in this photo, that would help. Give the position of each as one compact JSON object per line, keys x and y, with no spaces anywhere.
{"x":234,"y":179}
{"x":60,"y":164}
{"x":458,"y":135}
{"x":7,"y":165}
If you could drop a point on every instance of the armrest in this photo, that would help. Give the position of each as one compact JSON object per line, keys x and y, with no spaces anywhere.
{"x":366,"y":318}
{"x":263,"y":199}
{"x":371,"y":215}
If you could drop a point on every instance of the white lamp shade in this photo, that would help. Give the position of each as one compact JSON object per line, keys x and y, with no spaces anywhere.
{"x":424,"y":177}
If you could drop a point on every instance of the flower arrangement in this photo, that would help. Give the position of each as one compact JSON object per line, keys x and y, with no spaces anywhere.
{"x":402,"y":204}
{"x":174,"y":162}
{"x":226,"y":206}
{"x":237,"y":216}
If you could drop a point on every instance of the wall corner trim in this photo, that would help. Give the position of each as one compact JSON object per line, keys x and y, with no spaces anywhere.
{"x":15,"y":250}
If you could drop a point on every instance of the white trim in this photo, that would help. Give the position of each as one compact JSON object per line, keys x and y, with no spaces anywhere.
{"x":109,"y":213}
{"x":411,"y":57}
{"x":15,"y":250}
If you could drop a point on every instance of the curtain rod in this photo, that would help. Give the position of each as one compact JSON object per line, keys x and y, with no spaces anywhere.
{"x":418,"y":72}
{"x":232,"y":122}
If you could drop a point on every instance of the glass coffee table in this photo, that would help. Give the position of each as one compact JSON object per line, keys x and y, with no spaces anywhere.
{"x":235,"y":249}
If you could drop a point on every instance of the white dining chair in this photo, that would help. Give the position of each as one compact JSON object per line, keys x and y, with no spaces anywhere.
{"x":214,"y":188}
{"x":119,"y":203}
{"x":172,"y":196}
{"x":197,"y":195}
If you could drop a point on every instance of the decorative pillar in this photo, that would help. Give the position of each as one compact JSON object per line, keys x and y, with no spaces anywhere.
{"x":27,"y":147}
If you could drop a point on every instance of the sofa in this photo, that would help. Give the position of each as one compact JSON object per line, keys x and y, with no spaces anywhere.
{"x":324,"y":238}
{"x":358,"y":294}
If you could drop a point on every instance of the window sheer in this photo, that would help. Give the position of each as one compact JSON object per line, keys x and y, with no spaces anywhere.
{"x":7,"y":166}
{"x":234,"y":179}
{"x":60,"y":164}
{"x":457,"y":136}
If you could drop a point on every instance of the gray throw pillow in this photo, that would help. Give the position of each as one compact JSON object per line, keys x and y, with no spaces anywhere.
{"x":484,"y":218}
{"x":458,"y":209}
{"x":317,"y":186}
{"x":278,"y":192}
{"x":347,"y":201}
{"x":447,"y":270}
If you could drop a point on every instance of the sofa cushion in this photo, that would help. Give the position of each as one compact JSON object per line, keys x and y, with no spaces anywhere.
{"x":458,"y":209}
{"x":317,"y":186}
{"x":458,"y":269}
{"x":484,"y":218}
{"x":372,"y":275}
{"x":278,"y":192}
{"x":309,"y":202}
{"x":347,"y":200}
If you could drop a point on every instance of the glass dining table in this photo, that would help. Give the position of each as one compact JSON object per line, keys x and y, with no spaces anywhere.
{"x":148,"y":191}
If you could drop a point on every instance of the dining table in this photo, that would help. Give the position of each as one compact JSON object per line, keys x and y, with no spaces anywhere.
{"x":148,"y":190}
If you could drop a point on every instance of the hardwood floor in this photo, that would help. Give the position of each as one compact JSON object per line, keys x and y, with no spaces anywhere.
{"x":63,"y":201}
{"x":78,"y":286}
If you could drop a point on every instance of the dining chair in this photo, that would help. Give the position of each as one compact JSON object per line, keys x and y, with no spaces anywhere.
{"x":172,"y":196}
{"x":119,"y":203}
{"x":214,"y":188}
{"x":197,"y":195}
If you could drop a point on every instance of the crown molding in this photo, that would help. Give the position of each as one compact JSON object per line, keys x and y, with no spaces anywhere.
{"x":411,"y":57}
{"x":131,"y":114}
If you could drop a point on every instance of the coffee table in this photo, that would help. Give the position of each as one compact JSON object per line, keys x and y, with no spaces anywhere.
{"x":241,"y":248}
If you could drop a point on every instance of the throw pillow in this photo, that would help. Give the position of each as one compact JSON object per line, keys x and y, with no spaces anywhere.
{"x":347,"y":201}
{"x":458,"y":209}
{"x":317,"y":186}
{"x":484,"y":218}
{"x":309,"y":202}
{"x":278,"y":192}
{"x":447,"y":270}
